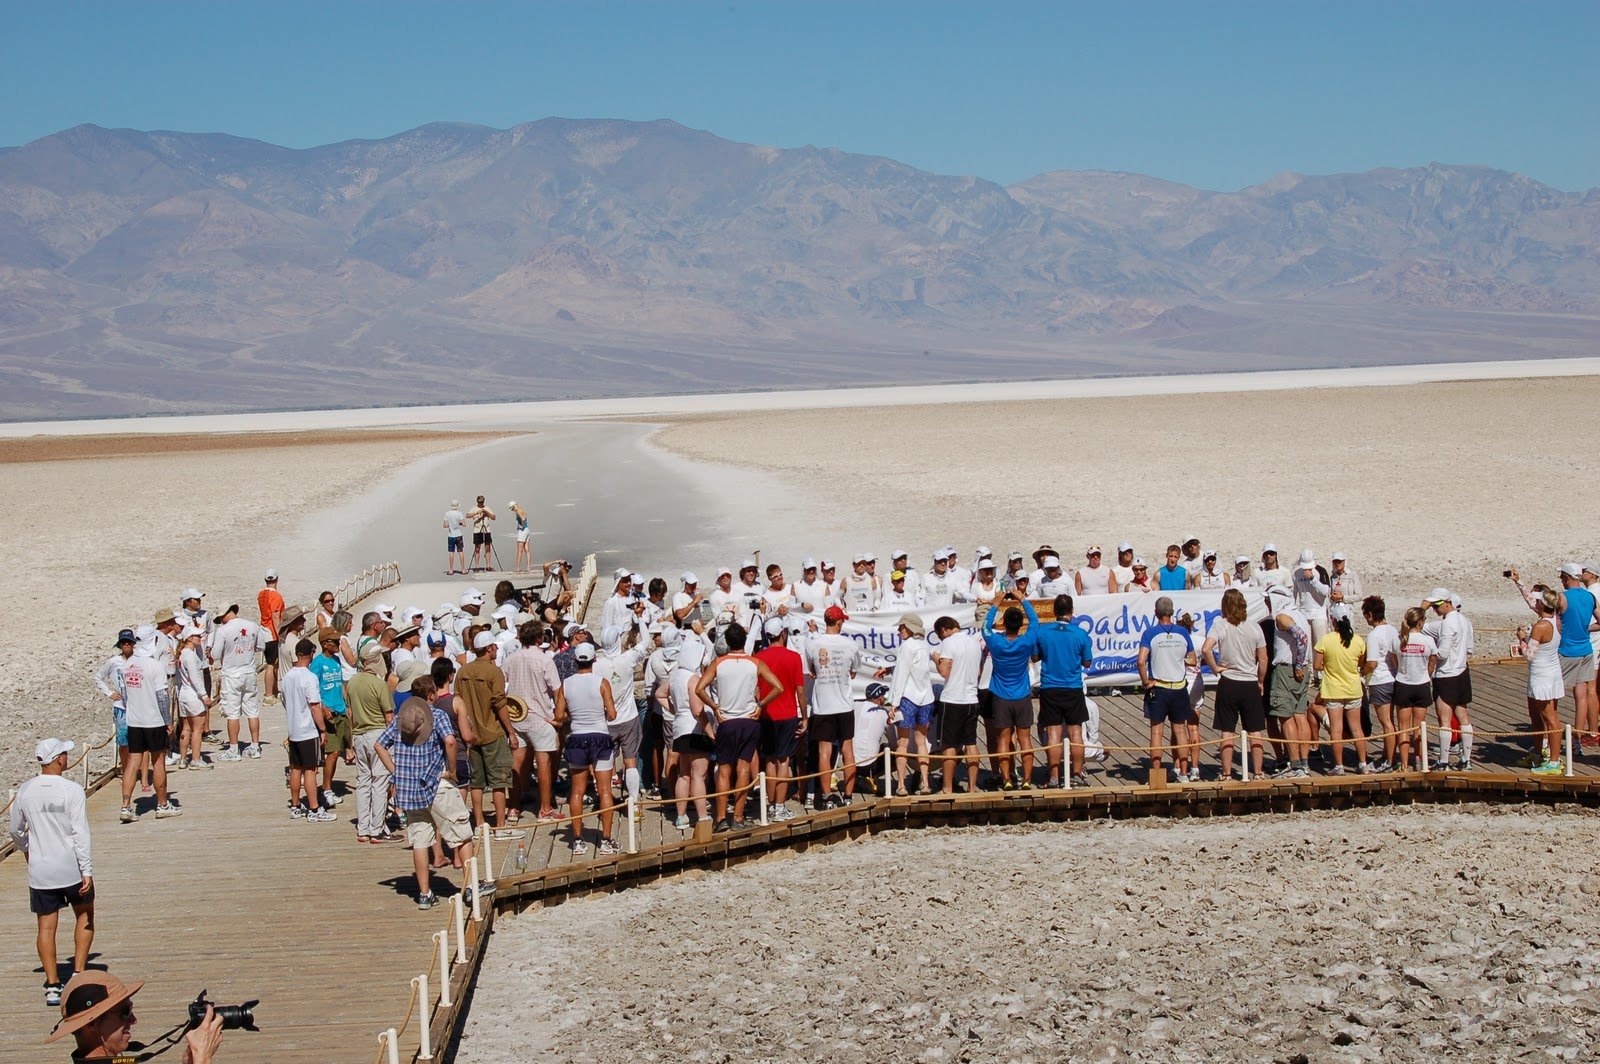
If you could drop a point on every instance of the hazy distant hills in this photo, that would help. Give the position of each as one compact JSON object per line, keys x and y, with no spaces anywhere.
{"x":158,"y":271}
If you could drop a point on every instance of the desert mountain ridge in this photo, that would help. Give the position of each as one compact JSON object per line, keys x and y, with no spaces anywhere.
{"x":166,"y":271}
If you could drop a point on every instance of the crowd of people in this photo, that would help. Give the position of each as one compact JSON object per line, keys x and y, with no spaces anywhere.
{"x":495,"y":709}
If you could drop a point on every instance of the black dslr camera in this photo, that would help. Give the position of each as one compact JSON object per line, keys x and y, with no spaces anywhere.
{"x":234,"y":1017}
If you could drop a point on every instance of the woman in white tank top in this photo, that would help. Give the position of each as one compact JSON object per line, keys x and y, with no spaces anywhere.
{"x":585,"y":701}
{"x":1545,"y":688}
{"x":691,"y":745}
{"x":1093,"y":579}
{"x":736,"y":687}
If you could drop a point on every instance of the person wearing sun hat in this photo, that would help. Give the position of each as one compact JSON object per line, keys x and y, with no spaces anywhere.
{"x":97,"y":1010}
{"x":50,"y":825}
{"x":1452,"y":679}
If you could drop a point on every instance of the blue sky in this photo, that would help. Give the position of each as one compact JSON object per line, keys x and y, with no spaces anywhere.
{"x":1218,"y":95}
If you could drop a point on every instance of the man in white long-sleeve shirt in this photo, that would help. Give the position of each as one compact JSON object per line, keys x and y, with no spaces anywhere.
{"x":109,"y":681}
{"x":50,"y":825}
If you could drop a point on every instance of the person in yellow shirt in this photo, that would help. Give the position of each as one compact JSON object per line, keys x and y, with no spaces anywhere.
{"x":1338,"y":656}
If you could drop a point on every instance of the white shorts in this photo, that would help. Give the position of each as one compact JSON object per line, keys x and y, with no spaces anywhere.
{"x":539,"y":734}
{"x":447,"y":817}
{"x":522,"y":536}
{"x":241,"y":694}
{"x":189,"y":704}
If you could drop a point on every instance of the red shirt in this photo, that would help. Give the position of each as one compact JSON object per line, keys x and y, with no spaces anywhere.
{"x":786,"y":666}
{"x":270,"y":603}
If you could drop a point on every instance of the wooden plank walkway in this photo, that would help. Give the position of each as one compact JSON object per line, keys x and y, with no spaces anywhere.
{"x":235,"y":897}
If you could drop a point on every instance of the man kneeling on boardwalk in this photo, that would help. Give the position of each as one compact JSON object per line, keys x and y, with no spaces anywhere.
{"x":419,"y":750}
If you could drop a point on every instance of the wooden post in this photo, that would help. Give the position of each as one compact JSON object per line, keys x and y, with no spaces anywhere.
{"x":425,"y":1048}
{"x":443,"y":939}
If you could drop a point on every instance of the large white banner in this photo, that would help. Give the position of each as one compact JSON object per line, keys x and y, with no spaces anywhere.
{"x":1116,"y":624}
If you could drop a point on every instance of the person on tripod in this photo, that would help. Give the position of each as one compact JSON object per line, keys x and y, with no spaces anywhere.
{"x":97,"y":1010}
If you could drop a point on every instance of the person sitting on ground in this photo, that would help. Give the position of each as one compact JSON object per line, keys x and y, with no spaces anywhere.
{"x":418,"y":749}
{"x":871,"y":715}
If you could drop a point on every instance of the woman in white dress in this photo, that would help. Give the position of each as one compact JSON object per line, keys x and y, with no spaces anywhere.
{"x":1545,"y":688}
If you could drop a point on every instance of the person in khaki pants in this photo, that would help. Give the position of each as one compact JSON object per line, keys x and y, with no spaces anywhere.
{"x":371,"y":709}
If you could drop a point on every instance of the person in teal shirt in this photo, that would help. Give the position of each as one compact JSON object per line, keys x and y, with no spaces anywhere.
{"x":1065,"y":651}
{"x":335,"y":725}
{"x":1173,"y":576}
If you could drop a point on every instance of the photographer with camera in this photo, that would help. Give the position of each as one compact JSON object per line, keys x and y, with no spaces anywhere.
{"x":97,"y":1010}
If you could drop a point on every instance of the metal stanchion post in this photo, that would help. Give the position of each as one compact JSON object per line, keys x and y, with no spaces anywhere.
{"x":1424,"y":745}
{"x":488,"y":862}
{"x":392,"y":1037}
{"x":888,"y":773}
{"x":633,"y":840}
{"x":473,"y":889}
{"x":1244,"y":754}
{"x":1567,"y":739}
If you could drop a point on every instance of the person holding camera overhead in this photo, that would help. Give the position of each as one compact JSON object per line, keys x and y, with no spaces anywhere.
{"x":98,"y":1012}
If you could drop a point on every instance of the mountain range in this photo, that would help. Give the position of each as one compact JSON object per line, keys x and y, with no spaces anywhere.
{"x":159,"y":271}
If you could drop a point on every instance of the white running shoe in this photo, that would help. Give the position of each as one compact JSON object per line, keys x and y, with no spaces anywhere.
{"x":253,"y":751}
{"x":322,"y":816}
{"x":174,"y":760}
{"x":329,"y":798}
{"x":127,"y":815}
{"x":230,"y":754}
{"x":164,"y":811}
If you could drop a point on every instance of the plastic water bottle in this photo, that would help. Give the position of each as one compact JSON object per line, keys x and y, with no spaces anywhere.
{"x":522,"y":856}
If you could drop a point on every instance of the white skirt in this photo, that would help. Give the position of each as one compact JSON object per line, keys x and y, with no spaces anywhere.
{"x":1545,"y":688}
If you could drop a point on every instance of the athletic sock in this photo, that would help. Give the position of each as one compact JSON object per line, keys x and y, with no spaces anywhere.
{"x":1466,"y":743}
{"x":631,"y":780}
{"x":1444,"y":745}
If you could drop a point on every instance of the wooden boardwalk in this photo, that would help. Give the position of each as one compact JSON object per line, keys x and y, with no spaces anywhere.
{"x":237,"y":898}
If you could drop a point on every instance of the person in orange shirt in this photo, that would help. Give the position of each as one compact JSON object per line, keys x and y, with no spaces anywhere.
{"x":270,"y":602}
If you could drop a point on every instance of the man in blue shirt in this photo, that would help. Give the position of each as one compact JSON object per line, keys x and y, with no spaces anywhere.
{"x":1165,"y":653}
{"x":1010,"y":651}
{"x":1065,"y":651}
{"x":1173,"y":576}
{"x":329,"y":671}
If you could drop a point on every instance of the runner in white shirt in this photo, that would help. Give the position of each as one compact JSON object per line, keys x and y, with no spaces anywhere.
{"x":618,"y":666}
{"x":618,"y":609}
{"x":911,"y":697}
{"x":897,"y":598}
{"x":722,"y":598}
{"x":144,"y":680}
{"x":234,"y":647}
{"x":1055,"y":580}
{"x":958,"y":657}
{"x":859,"y":592}
{"x":812,"y":594}
{"x":960,"y":574}
{"x":194,"y":697}
{"x":454,"y":525}
{"x":1270,"y":574}
{"x":899,"y":559}
{"x":871,"y":719}
{"x":50,"y":825}
{"x":1193,"y":557}
{"x":1208,"y":576}
{"x":1383,"y":645}
{"x":1092,"y":578}
{"x":834,"y":658}
{"x":985,"y":588}
{"x":685,"y":602}
{"x":939,"y":588}
{"x":1452,"y":682}
{"x":1413,"y":664}
{"x":692,"y":746}
{"x":1122,"y":572}
{"x":778,"y":598}
{"x":108,"y":679}
{"x":749,"y":605}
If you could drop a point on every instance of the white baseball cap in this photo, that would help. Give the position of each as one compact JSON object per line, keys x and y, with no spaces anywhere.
{"x":827,"y":563}
{"x":1015,"y":556}
{"x":1592,"y":566}
{"x":1338,"y":556}
{"x":809,"y":563}
{"x":1050,"y":562}
{"x":688,"y":577}
{"x":413,"y":612}
{"x":623,"y":573}
{"x":191,"y":629}
{"x":583,"y":652}
{"x":1572,"y":569}
{"x":191,"y":592}
{"x":869,"y":557}
{"x":985,"y":552}
{"x":1339,"y":612}
{"x":637,"y":578}
{"x":384,"y":608}
{"x":512,"y":505}
{"x":748,"y":563}
{"x":271,"y":574}
{"x":50,"y":749}
{"x":455,"y":504}
{"x":776,"y":626}
{"x":1124,"y":545}
{"x":723,"y":571}
{"x":1269,"y":548}
{"x":1207,"y":553}
{"x":1439,"y":594}
{"x":1241,"y":559}
{"x":472,"y":597}
{"x":900,"y":552}
{"x":485,"y":639}
{"x":986,"y":563}
{"x":446,"y":609}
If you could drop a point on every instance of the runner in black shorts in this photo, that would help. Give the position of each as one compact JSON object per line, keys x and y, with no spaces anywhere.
{"x":271,"y":653}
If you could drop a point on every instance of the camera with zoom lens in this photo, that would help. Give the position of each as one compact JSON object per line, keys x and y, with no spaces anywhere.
{"x":234,"y":1017}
